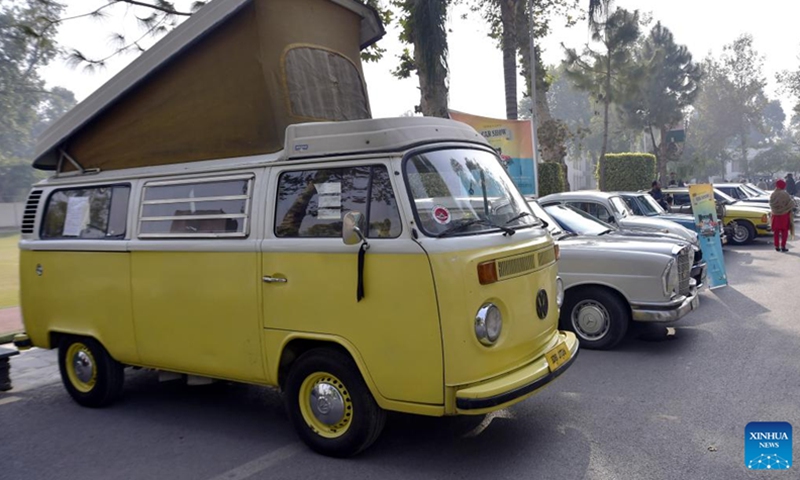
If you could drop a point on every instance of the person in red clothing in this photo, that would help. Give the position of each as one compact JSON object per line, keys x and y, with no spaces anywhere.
{"x":781,"y":205}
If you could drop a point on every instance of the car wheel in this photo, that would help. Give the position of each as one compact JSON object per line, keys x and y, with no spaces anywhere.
{"x":598,"y":316}
{"x":743,"y":232}
{"x":90,"y":375}
{"x":330,"y":406}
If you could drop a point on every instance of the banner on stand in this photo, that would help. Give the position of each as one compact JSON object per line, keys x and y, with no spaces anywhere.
{"x":709,"y":229}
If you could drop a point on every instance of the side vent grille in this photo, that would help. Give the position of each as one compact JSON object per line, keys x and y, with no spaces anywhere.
{"x":515,"y":266}
{"x":29,"y":216}
{"x":547,"y":257}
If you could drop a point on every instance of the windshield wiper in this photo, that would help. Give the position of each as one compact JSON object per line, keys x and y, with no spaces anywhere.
{"x":460,"y":227}
{"x":605,"y":232}
{"x":521,"y":215}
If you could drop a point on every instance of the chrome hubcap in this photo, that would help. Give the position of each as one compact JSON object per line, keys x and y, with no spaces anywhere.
{"x":82,"y":363}
{"x":326,"y":403}
{"x":740,"y":233}
{"x":590,"y":320}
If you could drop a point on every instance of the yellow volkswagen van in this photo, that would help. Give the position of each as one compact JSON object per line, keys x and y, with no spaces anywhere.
{"x":371,"y":265}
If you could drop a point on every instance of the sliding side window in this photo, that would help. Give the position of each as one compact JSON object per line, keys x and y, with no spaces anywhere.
{"x":203,"y":208}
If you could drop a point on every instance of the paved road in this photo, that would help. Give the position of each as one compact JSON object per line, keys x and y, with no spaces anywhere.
{"x":655,"y":408}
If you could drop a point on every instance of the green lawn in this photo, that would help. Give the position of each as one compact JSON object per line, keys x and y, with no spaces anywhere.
{"x":9,"y":270}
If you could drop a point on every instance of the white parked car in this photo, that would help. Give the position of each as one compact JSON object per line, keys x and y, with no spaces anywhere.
{"x":613,"y":279}
{"x":611,"y":208}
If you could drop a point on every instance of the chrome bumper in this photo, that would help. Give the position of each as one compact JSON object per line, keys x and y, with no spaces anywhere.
{"x":700,"y":274}
{"x":670,"y":312}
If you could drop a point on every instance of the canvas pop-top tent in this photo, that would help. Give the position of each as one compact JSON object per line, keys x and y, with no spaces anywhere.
{"x":225,"y":83}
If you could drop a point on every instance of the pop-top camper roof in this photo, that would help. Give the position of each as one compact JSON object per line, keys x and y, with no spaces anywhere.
{"x":225,"y":83}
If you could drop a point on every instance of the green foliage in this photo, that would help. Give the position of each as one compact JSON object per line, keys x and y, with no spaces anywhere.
{"x":663,"y":83}
{"x":602,"y":73}
{"x":16,"y":177}
{"x":781,"y":156}
{"x":551,"y":178}
{"x":626,"y":171}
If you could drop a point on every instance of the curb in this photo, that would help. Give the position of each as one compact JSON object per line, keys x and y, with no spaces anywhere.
{"x":7,"y":337}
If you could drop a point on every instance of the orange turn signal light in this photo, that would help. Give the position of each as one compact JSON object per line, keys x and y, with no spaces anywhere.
{"x":557,"y":250}
{"x":487,"y":272}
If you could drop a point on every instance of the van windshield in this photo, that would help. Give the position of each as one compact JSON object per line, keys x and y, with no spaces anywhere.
{"x":464,"y":192}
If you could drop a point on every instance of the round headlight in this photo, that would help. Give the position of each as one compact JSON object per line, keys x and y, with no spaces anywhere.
{"x":559,"y":291}
{"x":488,"y":324}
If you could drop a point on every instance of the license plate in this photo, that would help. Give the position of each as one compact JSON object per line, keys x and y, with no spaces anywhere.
{"x":557,"y":356}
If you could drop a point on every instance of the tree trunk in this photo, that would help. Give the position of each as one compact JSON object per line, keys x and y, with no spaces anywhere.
{"x":432,"y":74}
{"x":606,"y":103}
{"x":656,"y":148}
{"x":743,"y":146}
{"x":663,"y":154}
{"x":509,"y":44}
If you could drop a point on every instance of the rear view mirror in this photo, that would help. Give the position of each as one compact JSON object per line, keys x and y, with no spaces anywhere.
{"x":353,"y":228}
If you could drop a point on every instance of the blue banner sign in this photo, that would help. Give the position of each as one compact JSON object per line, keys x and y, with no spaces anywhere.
{"x":709,"y":228}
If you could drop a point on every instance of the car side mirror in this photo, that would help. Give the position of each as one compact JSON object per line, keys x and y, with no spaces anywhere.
{"x":352,"y":228}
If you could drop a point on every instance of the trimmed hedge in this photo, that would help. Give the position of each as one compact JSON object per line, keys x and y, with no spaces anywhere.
{"x":626,"y":172}
{"x":551,"y":179}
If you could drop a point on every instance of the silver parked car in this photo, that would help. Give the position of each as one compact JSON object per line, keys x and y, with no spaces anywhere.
{"x":611,"y":208}
{"x":611,"y":280}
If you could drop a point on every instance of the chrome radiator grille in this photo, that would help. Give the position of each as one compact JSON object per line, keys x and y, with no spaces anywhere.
{"x":685,"y":270}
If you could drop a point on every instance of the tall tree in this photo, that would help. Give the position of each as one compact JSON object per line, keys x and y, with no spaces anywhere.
{"x":423,"y":25}
{"x":662,"y":84}
{"x":743,"y":66}
{"x":27,"y":105}
{"x":712,"y":125}
{"x":599,"y":72}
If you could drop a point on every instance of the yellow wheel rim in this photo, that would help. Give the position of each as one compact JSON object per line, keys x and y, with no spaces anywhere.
{"x":326,"y":405}
{"x":81,"y":367}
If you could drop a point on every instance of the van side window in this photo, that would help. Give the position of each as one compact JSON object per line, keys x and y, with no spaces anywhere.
{"x":88,"y":213}
{"x":311,"y":203}
{"x":206,"y":208}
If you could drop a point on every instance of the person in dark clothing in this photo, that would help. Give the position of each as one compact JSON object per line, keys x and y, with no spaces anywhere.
{"x":791,"y":186}
{"x":656,"y":193}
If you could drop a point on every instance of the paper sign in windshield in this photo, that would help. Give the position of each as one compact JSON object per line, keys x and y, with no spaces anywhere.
{"x":329,"y":200}
{"x":77,"y":216}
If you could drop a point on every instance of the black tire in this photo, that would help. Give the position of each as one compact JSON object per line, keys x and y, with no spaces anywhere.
{"x":105,"y":375}
{"x":362,"y":420}
{"x":597,"y":315}
{"x":743,"y":233}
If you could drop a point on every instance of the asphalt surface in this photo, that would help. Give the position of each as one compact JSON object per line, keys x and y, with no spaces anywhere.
{"x":658,"y":407}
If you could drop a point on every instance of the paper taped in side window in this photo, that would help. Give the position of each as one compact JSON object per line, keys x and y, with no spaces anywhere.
{"x":329,"y":214}
{"x":77,"y":216}
{"x":329,"y":188}
{"x":329,"y":200}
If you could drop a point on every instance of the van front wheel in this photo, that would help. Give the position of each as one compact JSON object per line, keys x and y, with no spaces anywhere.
{"x":90,"y":375}
{"x":330,"y":405}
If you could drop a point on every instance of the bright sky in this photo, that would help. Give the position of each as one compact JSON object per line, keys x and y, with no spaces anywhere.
{"x":476,"y":70}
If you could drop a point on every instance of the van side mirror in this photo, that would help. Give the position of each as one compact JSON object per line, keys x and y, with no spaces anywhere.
{"x":352,"y":228}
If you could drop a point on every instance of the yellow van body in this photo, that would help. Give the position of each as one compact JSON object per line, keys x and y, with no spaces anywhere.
{"x":246,"y":305}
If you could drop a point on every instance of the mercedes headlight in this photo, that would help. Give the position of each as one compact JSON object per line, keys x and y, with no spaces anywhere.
{"x":669,"y":279}
{"x":488,"y":324}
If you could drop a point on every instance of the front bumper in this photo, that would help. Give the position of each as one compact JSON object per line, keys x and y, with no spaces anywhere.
{"x":669,"y":312}
{"x":515,"y":386}
{"x":764,"y":229}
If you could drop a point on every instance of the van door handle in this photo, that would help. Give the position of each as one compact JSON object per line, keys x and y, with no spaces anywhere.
{"x":268,"y":279}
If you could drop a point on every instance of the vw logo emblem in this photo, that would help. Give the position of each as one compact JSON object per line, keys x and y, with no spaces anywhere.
{"x":542,"y":304}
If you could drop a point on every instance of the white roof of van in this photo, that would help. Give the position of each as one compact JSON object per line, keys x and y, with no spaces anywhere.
{"x":193,"y":29}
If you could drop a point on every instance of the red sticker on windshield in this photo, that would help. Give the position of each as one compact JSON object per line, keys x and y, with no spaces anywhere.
{"x":441,"y":215}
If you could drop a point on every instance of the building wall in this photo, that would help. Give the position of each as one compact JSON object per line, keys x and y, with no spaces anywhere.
{"x":11,"y":215}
